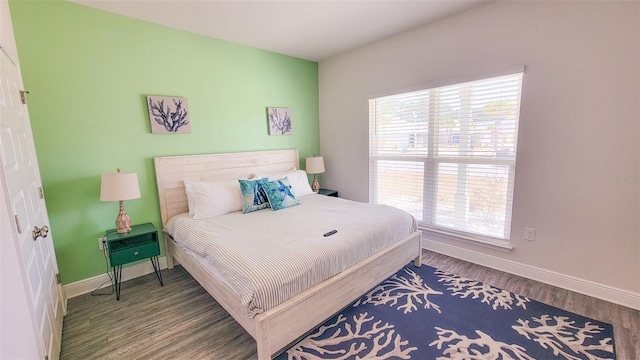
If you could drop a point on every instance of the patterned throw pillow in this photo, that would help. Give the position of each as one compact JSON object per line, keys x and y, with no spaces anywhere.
{"x":254,"y":197}
{"x":280,"y":194}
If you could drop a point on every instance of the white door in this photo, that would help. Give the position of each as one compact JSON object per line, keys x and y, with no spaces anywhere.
{"x":22,"y":181}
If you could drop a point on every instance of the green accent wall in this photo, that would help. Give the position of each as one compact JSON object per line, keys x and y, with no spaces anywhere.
{"x":88,"y":73}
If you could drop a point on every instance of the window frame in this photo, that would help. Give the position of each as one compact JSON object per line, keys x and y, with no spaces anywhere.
{"x":430,"y":162}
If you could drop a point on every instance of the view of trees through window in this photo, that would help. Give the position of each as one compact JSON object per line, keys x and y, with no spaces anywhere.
{"x":447,"y":155}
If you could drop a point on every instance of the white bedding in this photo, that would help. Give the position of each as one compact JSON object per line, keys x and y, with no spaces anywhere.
{"x":269,"y":256}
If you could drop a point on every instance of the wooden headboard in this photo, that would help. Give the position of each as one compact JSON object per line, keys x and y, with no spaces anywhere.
{"x":171,"y":171}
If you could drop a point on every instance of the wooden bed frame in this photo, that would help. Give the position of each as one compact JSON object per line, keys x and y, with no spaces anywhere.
{"x":277,"y":327}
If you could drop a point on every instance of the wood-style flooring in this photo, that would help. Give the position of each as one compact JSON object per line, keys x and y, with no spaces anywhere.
{"x":182,"y":321}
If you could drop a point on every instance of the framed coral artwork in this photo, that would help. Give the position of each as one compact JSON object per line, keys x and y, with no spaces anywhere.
{"x":279,"y":120}
{"x":168,"y":114}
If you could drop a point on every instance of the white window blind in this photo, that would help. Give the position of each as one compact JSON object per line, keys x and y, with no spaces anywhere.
{"x":447,"y":155}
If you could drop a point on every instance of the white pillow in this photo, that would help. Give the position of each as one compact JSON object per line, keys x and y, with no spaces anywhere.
{"x":298,"y":180}
{"x":208,"y":199}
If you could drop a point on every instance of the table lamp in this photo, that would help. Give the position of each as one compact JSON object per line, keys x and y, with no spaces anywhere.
{"x":120,"y":187}
{"x":315,"y":166}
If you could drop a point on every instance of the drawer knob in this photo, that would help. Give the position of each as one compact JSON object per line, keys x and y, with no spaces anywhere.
{"x":136,"y":253}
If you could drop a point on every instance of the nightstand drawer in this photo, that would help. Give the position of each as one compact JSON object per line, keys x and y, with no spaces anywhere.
{"x":130,"y":254}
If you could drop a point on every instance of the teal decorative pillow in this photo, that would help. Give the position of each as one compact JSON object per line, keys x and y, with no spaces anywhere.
{"x":280,"y":194}
{"x":254,"y":197}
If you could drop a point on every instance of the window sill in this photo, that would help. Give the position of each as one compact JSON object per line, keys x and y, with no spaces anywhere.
{"x":501,"y":245}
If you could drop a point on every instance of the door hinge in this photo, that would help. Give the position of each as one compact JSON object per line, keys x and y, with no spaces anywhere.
{"x":23,"y":96}
{"x":18,"y":227}
{"x":41,"y":192}
{"x":58,"y":278}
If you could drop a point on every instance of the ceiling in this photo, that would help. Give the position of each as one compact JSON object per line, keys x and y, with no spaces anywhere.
{"x":307,"y":29}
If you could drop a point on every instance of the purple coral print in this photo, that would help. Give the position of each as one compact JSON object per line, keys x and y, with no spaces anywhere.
{"x":279,"y":121}
{"x":168,"y":114}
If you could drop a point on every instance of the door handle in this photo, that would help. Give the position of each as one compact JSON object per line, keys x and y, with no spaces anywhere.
{"x":43,"y":231}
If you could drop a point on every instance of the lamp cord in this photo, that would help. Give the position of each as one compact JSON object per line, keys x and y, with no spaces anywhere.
{"x":106,"y":261}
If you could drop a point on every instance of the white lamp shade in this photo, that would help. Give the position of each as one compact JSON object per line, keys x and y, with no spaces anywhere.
{"x":120,"y":186}
{"x":315,"y":165}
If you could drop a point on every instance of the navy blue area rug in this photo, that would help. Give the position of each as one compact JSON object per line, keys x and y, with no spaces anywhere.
{"x":424,"y":313}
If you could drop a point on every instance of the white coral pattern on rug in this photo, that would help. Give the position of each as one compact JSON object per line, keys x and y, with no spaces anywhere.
{"x":490,"y":295}
{"x":483,"y":347}
{"x":377,"y":341}
{"x":565,"y":338}
{"x":411,"y":289}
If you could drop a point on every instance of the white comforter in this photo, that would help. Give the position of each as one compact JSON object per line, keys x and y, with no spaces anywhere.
{"x":269,"y":256}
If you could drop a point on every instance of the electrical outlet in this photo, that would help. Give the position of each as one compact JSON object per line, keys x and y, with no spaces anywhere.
{"x":529,"y":234}
{"x":101,"y":242}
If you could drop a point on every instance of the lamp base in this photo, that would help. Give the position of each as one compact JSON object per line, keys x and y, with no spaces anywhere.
{"x":123,"y":221}
{"x":315,"y":186}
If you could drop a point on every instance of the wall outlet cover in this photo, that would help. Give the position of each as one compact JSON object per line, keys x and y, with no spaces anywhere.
{"x":529,"y":234}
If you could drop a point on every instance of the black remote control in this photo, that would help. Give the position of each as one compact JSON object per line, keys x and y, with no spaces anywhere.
{"x":330,"y":233}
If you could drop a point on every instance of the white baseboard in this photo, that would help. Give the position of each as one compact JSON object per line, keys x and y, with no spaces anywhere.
{"x":586,"y":287}
{"x":582,"y":286}
{"x":128,"y":273}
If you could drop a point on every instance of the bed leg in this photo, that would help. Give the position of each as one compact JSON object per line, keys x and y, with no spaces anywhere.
{"x":170,"y":263}
{"x":262,"y":338}
{"x":418,"y":260}
{"x":168,"y":252}
{"x":263,"y":354}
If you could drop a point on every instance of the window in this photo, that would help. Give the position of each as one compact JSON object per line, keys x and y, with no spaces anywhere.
{"x":447,"y":155}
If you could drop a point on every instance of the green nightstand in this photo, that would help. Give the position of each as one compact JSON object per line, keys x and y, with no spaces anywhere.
{"x":139,"y":243}
{"x":328,"y":192}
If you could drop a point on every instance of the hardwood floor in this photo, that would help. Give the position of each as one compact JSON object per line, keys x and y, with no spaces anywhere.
{"x":182,"y":321}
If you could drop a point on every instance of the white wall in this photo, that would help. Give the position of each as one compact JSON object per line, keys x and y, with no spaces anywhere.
{"x":18,"y":339}
{"x":579,"y":125}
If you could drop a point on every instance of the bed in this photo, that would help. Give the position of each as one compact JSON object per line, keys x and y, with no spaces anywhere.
{"x":276,"y":326}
